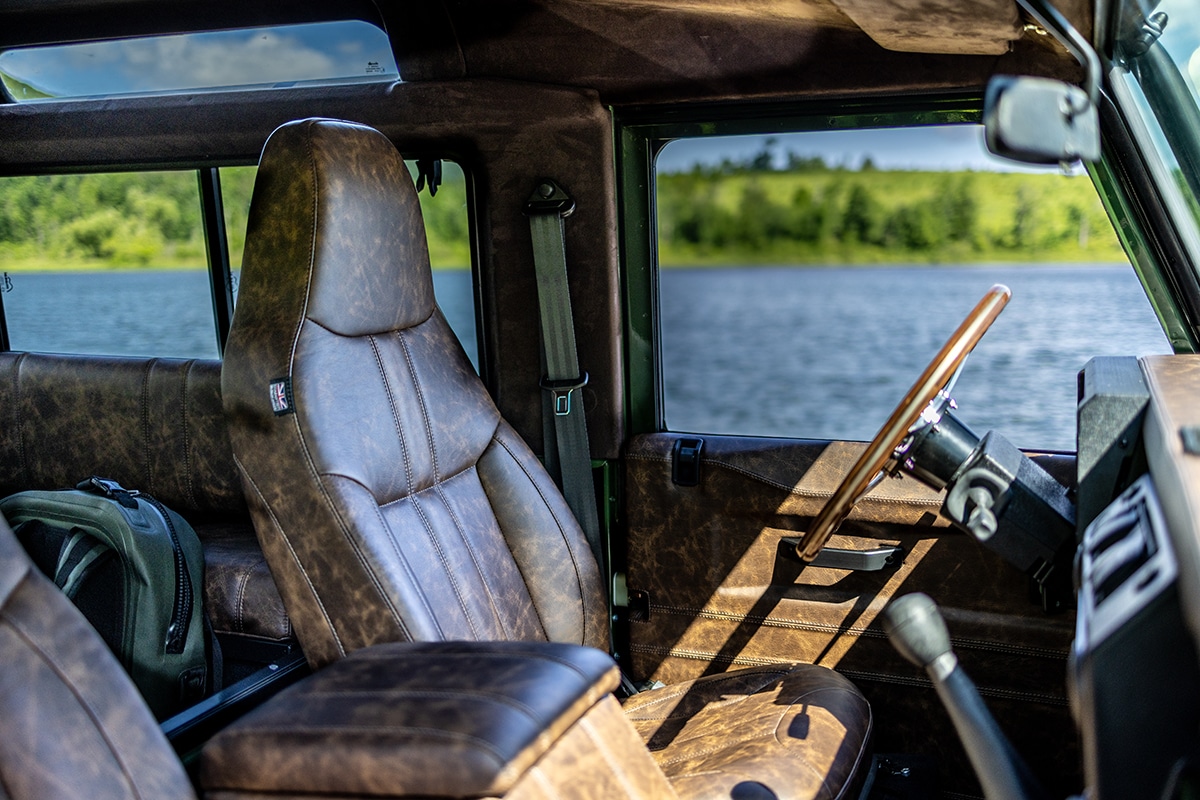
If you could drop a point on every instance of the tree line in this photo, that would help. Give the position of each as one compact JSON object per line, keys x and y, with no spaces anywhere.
{"x":139,"y":219}
{"x":809,"y":212}
{"x":732,"y":213}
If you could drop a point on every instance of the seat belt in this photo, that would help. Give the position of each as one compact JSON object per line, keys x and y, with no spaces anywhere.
{"x":567,"y":453}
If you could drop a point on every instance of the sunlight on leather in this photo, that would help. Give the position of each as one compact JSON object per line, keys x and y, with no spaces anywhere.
{"x":848,"y":636}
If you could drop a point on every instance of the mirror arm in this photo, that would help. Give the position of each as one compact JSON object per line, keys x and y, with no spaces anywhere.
{"x":1057,"y":26}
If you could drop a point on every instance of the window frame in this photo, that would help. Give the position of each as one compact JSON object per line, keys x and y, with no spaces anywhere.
{"x":642,"y":133}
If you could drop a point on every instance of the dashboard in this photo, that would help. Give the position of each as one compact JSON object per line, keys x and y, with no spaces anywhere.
{"x":1134,"y":675}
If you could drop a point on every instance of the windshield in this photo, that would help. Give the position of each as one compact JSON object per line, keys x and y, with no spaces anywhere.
{"x":1159,"y":45}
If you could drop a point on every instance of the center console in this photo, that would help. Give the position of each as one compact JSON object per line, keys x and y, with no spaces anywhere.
{"x":1135,"y":686}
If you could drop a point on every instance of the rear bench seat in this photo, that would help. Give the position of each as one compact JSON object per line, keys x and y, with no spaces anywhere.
{"x":156,"y":425}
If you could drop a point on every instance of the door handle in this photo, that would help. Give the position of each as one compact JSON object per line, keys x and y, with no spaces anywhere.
{"x":871,"y":560}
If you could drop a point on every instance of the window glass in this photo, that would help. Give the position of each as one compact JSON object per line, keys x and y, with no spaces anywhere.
{"x":1160,"y":54}
{"x":280,"y":56}
{"x":806,"y":279}
{"x":108,"y":264}
{"x":446,"y":228}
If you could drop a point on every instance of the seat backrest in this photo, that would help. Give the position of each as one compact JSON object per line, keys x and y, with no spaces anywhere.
{"x":390,"y":498}
{"x":153,"y":424}
{"x":72,"y":725}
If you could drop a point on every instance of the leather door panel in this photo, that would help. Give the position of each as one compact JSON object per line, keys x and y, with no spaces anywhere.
{"x":719,"y":595}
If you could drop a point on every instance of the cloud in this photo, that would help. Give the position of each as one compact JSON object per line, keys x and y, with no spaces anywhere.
{"x":227,"y":59}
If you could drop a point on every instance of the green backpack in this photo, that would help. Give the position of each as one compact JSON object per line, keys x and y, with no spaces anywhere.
{"x":136,"y":571}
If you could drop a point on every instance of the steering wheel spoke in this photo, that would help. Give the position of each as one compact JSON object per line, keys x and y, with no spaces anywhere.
{"x":872,"y":465}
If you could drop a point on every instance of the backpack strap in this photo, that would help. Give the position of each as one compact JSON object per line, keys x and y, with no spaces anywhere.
{"x":81,"y":555}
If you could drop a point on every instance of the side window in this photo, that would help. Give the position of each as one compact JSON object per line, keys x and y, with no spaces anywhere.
{"x":109,"y":264}
{"x":806,"y":279}
{"x":446,"y":228}
{"x":116,"y":264}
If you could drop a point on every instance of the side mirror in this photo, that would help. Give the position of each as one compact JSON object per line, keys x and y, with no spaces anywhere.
{"x":1040,"y":121}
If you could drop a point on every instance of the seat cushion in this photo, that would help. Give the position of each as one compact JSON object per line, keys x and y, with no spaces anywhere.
{"x":786,"y":731}
{"x":239,"y":592}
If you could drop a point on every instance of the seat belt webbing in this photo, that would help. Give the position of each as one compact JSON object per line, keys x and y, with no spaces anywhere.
{"x":568,"y":455}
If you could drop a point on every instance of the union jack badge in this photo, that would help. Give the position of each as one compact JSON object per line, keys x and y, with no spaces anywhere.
{"x":281,"y":396}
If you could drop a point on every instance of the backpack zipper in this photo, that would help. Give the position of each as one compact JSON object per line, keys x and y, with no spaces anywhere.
{"x":181,"y":617}
{"x":181,"y":614}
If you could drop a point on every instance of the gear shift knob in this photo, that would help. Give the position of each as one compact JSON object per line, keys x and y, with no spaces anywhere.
{"x":917,"y":630}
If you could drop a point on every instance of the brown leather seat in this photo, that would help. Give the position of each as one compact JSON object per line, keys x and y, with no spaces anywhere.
{"x":72,"y":725}
{"x":394,"y":503}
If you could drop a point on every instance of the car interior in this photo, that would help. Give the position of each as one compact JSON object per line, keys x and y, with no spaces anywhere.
{"x":485,"y":564}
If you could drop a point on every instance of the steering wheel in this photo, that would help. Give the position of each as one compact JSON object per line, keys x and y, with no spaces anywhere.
{"x":875,"y":459}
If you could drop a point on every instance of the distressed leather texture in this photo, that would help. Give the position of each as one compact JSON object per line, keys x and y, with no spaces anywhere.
{"x":786,"y":732}
{"x":72,"y":725}
{"x":239,"y":592}
{"x":391,"y":499}
{"x":394,"y":504}
{"x":452,"y":719}
{"x":720,"y":597}
{"x":599,"y":757}
{"x":152,"y":424}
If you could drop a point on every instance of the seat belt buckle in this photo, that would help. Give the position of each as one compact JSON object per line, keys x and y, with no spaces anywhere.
{"x":560,"y":392}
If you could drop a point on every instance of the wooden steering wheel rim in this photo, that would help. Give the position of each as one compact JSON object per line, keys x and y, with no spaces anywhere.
{"x":939,"y":372}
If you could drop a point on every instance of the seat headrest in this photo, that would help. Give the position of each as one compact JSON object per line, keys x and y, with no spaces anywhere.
{"x":335,"y":231}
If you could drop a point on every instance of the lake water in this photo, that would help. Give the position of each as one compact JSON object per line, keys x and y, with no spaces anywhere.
{"x":827,"y":353}
{"x":152,"y":312}
{"x":818,"y":353}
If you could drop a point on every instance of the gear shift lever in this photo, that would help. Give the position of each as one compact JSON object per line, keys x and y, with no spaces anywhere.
{"x":916,"y":628}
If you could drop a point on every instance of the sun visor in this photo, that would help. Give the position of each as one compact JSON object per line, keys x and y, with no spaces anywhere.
{"x":964,"y":27}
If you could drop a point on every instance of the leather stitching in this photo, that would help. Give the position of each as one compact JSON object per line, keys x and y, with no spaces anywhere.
{"x":480,"y":695}
{"x":408,"y":570}
{"x":790,"y":489}
{"x":92,"y":714}
{"x":525,"y":654}
{"x":20,"y":421}
{"x":441,"y":554}
{"x":240,"y":604}
{"x":387,"y":390}
{"x":561,"y":530}
{"x":487,"y":590}
{"x":245,"y":730}
{"x":817,"y":627}
{"x":144,"y":401}
{"x":189,"y":484}
{"x":412,"y":371}
{"x":679,"y":691}
{"x":429,"y":529}
{"x":295,"y":557}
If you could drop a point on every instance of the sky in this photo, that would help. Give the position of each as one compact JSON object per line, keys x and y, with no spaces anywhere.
{"x":341,"y":50}
{"x":937,"y":147}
